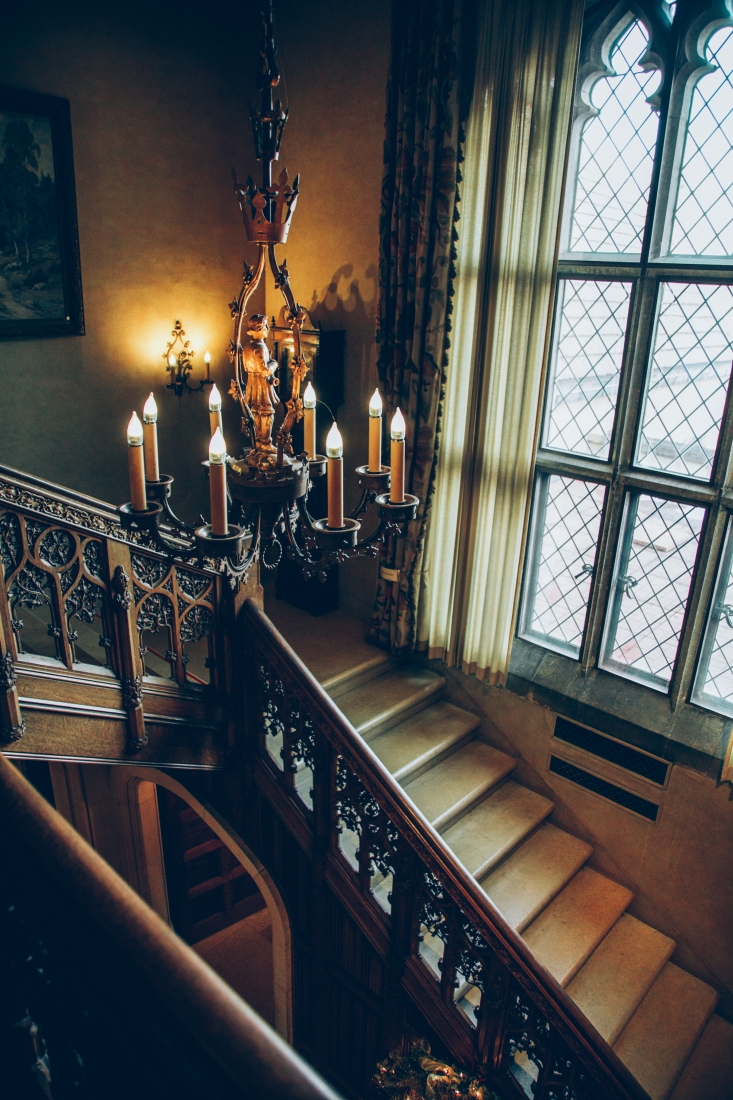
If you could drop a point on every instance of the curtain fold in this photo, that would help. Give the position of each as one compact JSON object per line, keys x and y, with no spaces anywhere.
{"x":513,"y":178}
{"x":430,"y":76}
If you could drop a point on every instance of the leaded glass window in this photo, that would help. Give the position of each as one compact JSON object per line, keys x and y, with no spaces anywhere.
{"x":617,"y":152}
{"x":568,"y":517}
{"x":703,"y":224}
{"x":625,"y":569}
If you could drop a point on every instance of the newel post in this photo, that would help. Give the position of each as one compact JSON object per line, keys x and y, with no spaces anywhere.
{"x":128,"y":644}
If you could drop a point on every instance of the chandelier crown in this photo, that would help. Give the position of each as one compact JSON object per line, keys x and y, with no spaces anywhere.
{"x":267,"y":211}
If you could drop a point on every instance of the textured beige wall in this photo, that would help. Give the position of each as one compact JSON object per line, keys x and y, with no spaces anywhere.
{"x":159,"y":96}
{"x":680,"y":869}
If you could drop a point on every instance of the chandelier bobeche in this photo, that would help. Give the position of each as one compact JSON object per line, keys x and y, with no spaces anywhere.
{"x":261,"y":499}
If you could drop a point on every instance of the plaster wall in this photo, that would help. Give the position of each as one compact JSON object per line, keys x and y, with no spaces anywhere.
{"x":680,"y":869}
{"x":159,"y":104}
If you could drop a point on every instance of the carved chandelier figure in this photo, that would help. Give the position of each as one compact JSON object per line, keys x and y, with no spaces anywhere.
{"x":260,"y":395}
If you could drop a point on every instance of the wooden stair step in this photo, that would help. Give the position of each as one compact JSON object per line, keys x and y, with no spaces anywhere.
{"x":619,"y":974}
{"x":661,"y":1035}
{"x":496,"y":826}
{"x":386,"y":700}
{"x":408,"y":749}
{"x":525,"y":883}
{"x":708,"y":1074}
{"x":568,"y":931}
{"x":454,"y":785}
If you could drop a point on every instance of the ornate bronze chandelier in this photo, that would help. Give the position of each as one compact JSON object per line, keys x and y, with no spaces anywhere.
{"x":260,"y":501}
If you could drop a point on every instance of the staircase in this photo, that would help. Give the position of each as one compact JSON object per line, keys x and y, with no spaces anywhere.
{"x":658,"y":1018}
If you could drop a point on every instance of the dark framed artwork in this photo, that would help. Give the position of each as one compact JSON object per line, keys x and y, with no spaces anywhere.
{"x":40,"y":271}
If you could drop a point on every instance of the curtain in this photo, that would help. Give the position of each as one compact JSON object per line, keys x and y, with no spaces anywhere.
{"x":513,"y":179}
{"x":430,"y":77}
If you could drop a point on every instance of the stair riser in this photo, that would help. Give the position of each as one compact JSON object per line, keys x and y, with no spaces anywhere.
{"x":347,"y":681}
{"x":462,"y":809}
{"x":400,"y":712}
{"x":425,"y":763}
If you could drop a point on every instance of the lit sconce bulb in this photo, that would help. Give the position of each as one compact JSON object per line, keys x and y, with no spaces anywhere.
{"x":217,"y":448}
{"x":309,"y":397}
{"x":172,"y":361}
{"x":334,"y":443}
{"x":398,"y":426}
{"x":150,"y":411}
{"x":207,"y":357}
{"x":135,"y":431}
{"x":375,"y":405}
{"x":214,"y":399}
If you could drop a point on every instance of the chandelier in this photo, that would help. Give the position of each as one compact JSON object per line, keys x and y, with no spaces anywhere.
{"x":259,"y":501}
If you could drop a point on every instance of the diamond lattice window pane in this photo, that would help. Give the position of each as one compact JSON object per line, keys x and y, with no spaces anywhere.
{"x":703,"y":222}
{"x":617,"y":154}
{"x":568,"y":513}
{"x":714,"y":684}
{"x":652,"y":585}
{"x":586,"y":364}
{"x":688,"y":379}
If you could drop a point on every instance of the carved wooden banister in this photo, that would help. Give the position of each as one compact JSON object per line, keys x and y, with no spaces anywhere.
{"x":99,"y":997}
{"x":478,"y":983}
{"x":72,"y":577}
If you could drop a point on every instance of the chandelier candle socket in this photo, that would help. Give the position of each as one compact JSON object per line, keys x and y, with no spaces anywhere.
{"x":218,"y":484}
{"x":135,"y":452}
{"x":397,"y":459}
{"x":207,"y":360}
{"x":375,"y":433}
{"x":335,"y":453}
{"x":215,"y":420}
{"x":150,"y":436}
{"x":309,"y":421}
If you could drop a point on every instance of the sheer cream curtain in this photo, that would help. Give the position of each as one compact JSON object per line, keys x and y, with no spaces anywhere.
{"x":513,"y":174}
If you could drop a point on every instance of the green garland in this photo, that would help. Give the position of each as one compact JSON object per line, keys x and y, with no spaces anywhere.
{"x":411,"y":1073}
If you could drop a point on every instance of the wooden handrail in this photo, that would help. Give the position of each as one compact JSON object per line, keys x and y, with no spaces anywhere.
{"x":73,"y":885}
{"x":541,"y":987}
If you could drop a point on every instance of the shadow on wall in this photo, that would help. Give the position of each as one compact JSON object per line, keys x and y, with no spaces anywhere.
{"x":336,"y":309}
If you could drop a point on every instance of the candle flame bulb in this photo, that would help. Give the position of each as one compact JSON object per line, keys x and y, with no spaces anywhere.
{"x":375,"y":405}
{"x":172,"y":361}
{"x":150,"y":411}
{"x":214,"y":399}
{"x":217,"y":448}
{"x":207,"y":357}
{"x":334,"y":443}
{"x":398,"y":426}
{"x":134,"y":432}
{"x":309,"y":397}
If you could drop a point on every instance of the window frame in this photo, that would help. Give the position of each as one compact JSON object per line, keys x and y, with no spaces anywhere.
{"x":674,"y":47}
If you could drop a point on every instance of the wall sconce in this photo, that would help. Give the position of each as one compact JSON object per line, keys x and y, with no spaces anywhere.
{"x":179,"y":363}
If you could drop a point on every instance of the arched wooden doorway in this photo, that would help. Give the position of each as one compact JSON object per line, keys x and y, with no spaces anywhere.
{"x":117,"y":809}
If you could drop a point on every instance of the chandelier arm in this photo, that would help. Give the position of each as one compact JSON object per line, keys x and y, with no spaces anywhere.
{"x":303,"y":558}
{"x":184,"y":528}
{"x":380,"y":533}
{"x":368,"y":496}
{"x":237,"y":568}
{"x":250,"y":283}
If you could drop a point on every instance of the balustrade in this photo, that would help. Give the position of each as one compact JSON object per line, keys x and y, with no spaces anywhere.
{"x":81,"y":594}
{"x":475,"y":980}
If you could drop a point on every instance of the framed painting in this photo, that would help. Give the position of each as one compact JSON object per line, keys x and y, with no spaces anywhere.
{"x":40,"y":271}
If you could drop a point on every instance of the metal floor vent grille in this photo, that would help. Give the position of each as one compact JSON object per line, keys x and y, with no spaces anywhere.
{"x":629,"y":801}
{"x":648,"y":767}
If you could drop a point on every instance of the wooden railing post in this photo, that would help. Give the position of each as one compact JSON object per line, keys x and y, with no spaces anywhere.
{"x":12,"y":725}
{"x":128,"y":644}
